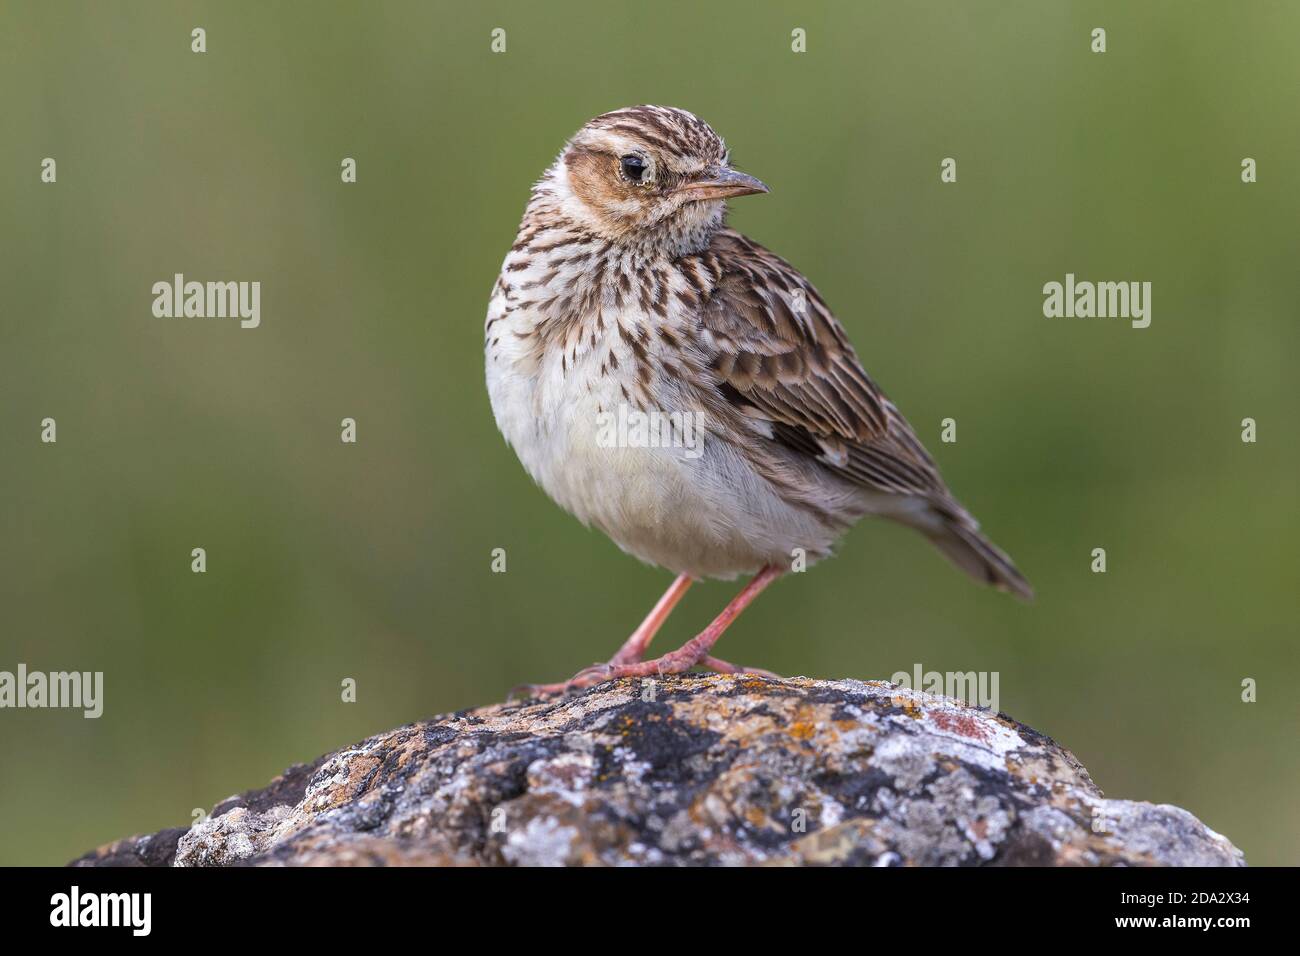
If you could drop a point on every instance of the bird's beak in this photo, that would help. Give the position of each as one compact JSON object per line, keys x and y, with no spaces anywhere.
{"x":722,"y":184}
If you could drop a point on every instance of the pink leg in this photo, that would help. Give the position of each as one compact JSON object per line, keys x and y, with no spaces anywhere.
{"x":634,"y":647}
{"x":695,"y":651}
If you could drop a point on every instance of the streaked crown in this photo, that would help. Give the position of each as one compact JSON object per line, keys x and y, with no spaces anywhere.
{"x":648,"y":174}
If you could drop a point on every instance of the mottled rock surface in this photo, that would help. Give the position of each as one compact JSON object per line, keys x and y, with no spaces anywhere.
{"x":693,"y":770}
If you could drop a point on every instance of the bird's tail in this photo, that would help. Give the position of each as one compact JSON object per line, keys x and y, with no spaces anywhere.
{"x":956,"y":533}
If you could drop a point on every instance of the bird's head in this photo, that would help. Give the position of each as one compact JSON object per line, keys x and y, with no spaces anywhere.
{"x":647,"y":174}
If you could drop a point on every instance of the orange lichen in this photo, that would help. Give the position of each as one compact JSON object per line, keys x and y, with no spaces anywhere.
{"x":910,"y":707}
{"x":802,"y":730}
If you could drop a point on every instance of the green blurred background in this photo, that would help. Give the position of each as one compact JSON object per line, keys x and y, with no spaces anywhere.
{"x":328,"y":561}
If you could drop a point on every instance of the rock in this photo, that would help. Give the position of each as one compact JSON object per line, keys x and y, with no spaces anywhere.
{"x":693,"y":770}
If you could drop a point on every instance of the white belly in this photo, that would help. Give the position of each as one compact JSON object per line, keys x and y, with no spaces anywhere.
{"x":700,"y":511}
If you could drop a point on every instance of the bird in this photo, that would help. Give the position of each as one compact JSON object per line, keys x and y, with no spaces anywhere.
{"x":626,"y":298}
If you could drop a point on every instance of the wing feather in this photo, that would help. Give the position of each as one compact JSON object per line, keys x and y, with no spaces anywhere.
{"x":778,"y":351}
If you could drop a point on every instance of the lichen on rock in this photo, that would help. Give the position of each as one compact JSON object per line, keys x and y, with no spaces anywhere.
{"x":693,"y":770}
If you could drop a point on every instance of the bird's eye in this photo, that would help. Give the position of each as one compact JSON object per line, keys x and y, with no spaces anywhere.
{"x":634,"y":167}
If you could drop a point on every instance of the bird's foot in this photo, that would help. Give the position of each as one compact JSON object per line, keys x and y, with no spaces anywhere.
{"x":627,"y":662}
{"x":677,"y":662}
{"x":725,"y":667}
{"x":532,"y":691}
{"x":587,"y":677}
{"x":618,"y":666}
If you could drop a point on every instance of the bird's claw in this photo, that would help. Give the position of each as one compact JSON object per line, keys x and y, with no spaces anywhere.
{"x":586,"y":677}
{"x":595,"y":674}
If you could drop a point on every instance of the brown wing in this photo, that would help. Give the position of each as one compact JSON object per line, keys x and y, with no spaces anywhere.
{"x":781,"y":356}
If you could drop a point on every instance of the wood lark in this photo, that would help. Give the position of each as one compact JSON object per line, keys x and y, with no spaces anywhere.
{"x":625,"y":299}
